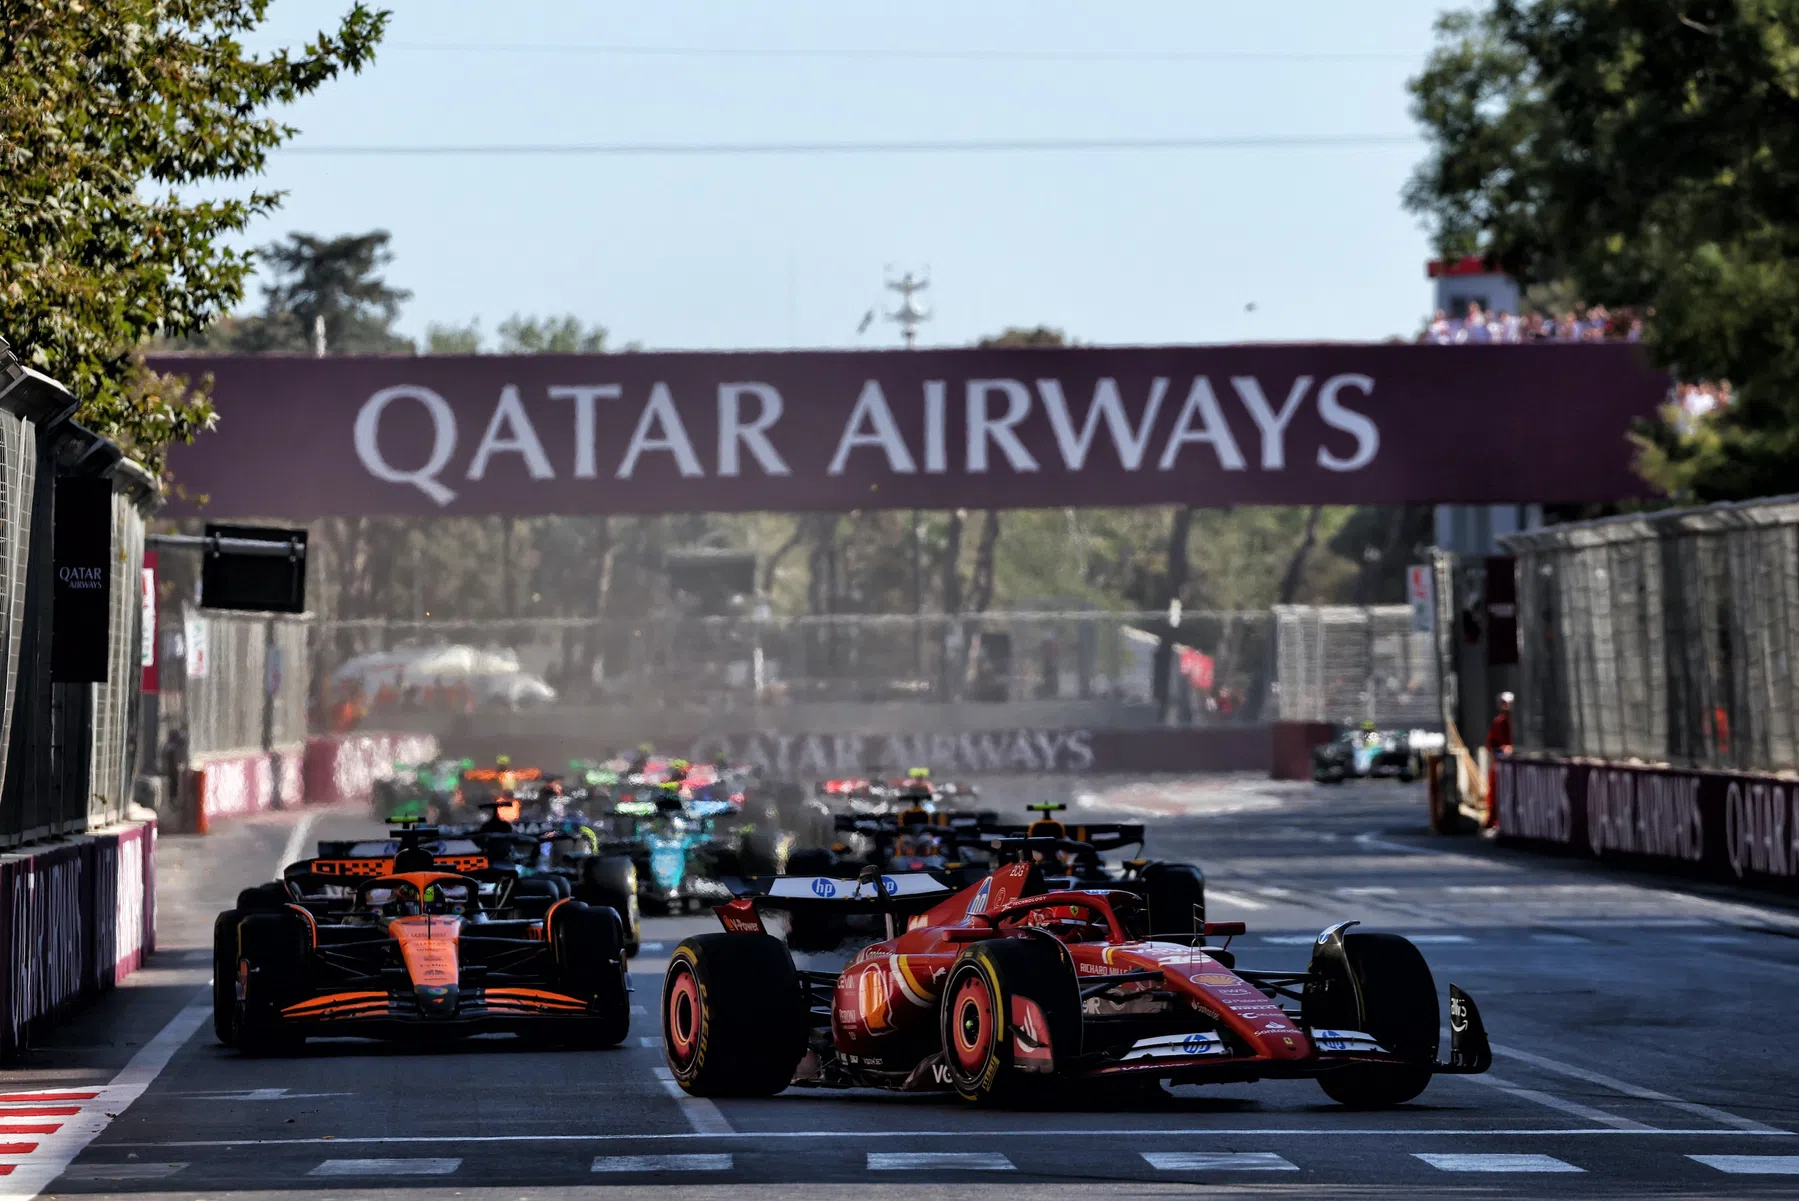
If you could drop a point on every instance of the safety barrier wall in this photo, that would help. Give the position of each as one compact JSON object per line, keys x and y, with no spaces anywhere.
{"x":75,"y":919}
{"x":1733,"y":827}
{"x":345,"y":768}
{"x":321,"y":770}
{"x":1020,"y":751}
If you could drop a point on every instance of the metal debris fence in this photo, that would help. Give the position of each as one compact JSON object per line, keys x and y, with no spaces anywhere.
{"x":252,"y":694}
{"x":1296,"y":662}
{"x":66,"y":750}
{"x":1664,"y":638}
{"x":1354,"y":663}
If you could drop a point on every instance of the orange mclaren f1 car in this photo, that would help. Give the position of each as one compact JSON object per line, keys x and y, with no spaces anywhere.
{"x":1007,"y":987}
{"x":393,"y":940}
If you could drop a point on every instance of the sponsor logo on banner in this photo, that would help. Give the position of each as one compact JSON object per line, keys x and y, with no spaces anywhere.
{"x":1761,"y":828}
{"x":1638,"y":813}
{"x":1534,"y":802}
{"x":826,"y":756}
{"x":822,"y":887}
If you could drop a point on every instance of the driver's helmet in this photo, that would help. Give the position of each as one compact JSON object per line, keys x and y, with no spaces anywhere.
{"x":446,"y":898}
{"x":918,"y":785}
{"x":677,"y":770}
{"x":502,"y":760}
{"x":401,"y":900}
{"x":668,"y":796}
{"x":1368,"y":727}
{"x":721,"y":762}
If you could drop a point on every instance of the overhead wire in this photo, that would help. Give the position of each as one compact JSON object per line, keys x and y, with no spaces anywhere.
{"x":924,"y":146}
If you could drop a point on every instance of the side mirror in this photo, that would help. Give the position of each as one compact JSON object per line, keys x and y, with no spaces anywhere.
{"x":1223,"y":929}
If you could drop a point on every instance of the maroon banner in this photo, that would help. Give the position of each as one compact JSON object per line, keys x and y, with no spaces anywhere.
{"x":828,"y":430}
{"x":1733,"y":827}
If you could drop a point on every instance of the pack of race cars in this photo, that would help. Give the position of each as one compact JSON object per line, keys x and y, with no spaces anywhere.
{"x":917,"y":944}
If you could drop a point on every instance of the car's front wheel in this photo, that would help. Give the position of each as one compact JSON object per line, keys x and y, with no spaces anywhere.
{"x":734,"y":1018}
{"x":1382,"y":987}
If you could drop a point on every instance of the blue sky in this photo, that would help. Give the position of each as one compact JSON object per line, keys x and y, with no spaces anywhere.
{"x":1122,"y":247}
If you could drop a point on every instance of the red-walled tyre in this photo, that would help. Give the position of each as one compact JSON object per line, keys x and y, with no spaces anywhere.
{"x":734,"y":1019}
{"x":991,"y":1059}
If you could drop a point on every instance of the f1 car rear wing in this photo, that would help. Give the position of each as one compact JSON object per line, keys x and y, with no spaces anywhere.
{"x":1100,"y":836}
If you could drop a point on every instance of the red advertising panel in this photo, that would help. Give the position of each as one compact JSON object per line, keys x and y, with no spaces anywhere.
{"x":1010,"y":428}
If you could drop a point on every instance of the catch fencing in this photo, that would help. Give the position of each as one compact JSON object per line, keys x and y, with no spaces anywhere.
{"x":1665,"y":638}
{"x":1219,"y":660}
{"x":1295,"y":663}
{"x":1347,"y":664}
{"x":241,"y":683}
{"x":66,"y":750}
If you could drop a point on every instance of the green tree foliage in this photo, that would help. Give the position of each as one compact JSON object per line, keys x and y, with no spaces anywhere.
{"x":453,"y":339}
{"x":329,"y":286}
{"x":114,"y":119}
{"x":1647,"y":154}
{"x":550,"y":335}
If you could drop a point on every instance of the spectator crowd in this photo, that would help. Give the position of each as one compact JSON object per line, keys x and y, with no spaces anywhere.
{"x":1597,"y":324}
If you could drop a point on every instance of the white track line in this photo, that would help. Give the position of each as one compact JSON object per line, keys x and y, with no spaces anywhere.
{"x":702,"y":1114}
{"x":1234,"y":898}
{"x":1550,"y":1101}
{"x":296,"y":841}
{"x":1747,"y":1125}
{"x":1312,"y":1133}
{"x":57,"y":1151}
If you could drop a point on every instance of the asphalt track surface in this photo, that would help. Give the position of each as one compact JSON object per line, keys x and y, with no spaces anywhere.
{"x":1646,"y":1046}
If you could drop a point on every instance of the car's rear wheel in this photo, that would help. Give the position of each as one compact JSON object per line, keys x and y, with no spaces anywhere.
{"x":262,"y":898}
{"x":611,"y":880}
{"x":1391,"y":997}
{"x":589,"y":945}
{"x":1011,"y":1011}
{"x":224,"y":976}
{"x":1176,"y":893}
{"x":271,"y":964}
{"x":734,"y":1019}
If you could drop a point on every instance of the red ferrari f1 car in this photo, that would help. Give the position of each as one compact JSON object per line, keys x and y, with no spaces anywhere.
{"x":894,"y":981}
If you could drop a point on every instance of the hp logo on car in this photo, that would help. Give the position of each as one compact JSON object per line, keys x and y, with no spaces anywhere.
{"x":1193,"y":1044}
{"x":824,"y":888}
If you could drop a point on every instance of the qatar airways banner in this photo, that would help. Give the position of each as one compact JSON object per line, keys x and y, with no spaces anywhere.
{"x":826,"y":430}
{"x":1734,"y":827}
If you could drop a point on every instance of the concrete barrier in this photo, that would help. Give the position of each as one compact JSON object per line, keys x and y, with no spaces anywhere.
{"x":1016,"y":751}
{"x":76,"y":917}
{"x":1291,"y":744}
{"x":1734,"y":827}
{"x":344,"y":767}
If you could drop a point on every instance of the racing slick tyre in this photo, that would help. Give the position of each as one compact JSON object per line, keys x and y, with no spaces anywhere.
{"x":384,"y":800}
{"x":532,"y":896}
{"x":224,"y":976}
{"x":1176,"y":894}
{"x":588,"y":942}
{"x":263,"y":898}
{"x":611,"y":880}
{"x":1387,"y":991}
{"x":272,"y":949}
{"x":734,"y":1019}
{"x":1011,"y":1008}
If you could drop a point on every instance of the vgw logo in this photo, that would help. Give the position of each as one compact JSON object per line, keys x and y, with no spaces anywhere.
{"x":940,"y":1073}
